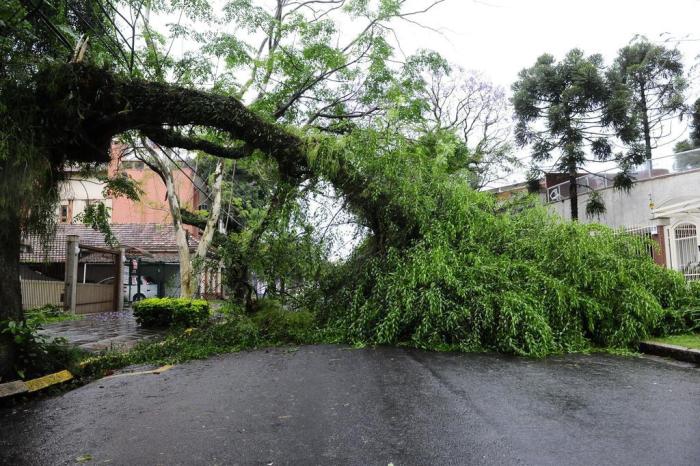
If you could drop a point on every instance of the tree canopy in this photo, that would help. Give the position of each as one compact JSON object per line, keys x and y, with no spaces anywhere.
{"x":648,"y":89}
{"x":559,"y":108}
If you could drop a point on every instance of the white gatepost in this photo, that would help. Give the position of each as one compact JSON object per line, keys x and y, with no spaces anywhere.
{"x":71,"y":273}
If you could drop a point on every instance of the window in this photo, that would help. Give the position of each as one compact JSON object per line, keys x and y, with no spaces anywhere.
{"x":133,"y":164}
{"x":63,"y":213}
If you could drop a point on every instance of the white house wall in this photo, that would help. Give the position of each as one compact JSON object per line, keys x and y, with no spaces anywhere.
{"x":633,"y":209}
{"x":80,"y":192}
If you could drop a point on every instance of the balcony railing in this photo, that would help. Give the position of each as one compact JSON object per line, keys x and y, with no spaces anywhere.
{"x":662,"y":166}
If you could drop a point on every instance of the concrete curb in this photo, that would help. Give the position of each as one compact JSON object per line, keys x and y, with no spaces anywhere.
{"x":20,"y":386}
{"x":670,"y":351}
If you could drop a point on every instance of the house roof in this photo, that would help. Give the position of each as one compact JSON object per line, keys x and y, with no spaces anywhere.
{"x":152,"y":241}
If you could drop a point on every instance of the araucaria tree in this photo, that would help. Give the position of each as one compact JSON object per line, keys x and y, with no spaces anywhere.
{"x":648,"y":88}
{"x":559,"y":109}
{"x":695,"y":124}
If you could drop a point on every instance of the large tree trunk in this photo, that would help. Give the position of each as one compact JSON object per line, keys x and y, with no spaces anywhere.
{"x":573,"y":194}
{"x":190,"y":267}
{"x":212,"y":223}
{"x":645,"y":127}
{"x":183,"y":247}
{"x":159,"y":162}
{"x":10,"y":291}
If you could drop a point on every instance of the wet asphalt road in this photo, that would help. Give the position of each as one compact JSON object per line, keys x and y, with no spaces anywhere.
{"x":330,"y":405}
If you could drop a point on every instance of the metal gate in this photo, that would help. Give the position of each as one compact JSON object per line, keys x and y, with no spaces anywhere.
{"x":647,"y":233}
{"x":59,"y":271}
{"x":685,"y":246}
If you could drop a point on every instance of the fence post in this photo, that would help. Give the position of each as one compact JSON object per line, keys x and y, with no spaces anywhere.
{"x":71,"y":274}
{"x":119,"y":281}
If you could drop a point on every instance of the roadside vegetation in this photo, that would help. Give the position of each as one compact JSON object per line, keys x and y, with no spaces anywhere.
{"x":230,"y":330}
{"x":50,"y":314}
{"x":37,"y":355}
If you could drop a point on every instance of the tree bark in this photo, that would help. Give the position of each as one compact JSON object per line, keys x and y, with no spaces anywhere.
{"x":645,"y":125}
{"x":212,"y":223}
{"x":10,"y":290}
{"x":96,"y":105}
{"x":573,"y":194}
{"x":107,"y":105}
{"x":190,"y":266}
{"x":183,"y":248}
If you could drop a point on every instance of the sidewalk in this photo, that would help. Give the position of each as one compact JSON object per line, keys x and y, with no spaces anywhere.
{"x":97,"y":332}
{"x":670,"y":351}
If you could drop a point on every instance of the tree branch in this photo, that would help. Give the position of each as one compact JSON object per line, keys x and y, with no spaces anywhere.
{"x":171,"y":138}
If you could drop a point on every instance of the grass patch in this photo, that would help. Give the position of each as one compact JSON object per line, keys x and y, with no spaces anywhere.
{"x":50,"y":314}
{"x":691,"y":340}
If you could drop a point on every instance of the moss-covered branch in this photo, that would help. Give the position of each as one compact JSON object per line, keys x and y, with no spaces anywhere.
{"x":170,"y":138}
{"x":88,"y":106}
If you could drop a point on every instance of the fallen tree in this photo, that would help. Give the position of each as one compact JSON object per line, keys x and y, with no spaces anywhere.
{"x":443,"y":267}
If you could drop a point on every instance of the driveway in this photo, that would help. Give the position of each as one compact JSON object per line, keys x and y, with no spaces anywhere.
{"x":331,"y":405}
{"x":98,"y":332}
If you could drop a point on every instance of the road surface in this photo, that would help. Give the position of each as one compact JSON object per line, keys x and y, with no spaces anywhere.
{"x":331,"y":405}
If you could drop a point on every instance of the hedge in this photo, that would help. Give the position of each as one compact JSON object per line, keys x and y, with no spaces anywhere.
{"x":166,"y":312}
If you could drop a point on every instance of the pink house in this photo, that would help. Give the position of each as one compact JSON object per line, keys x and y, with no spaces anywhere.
{"x":152,"y":207}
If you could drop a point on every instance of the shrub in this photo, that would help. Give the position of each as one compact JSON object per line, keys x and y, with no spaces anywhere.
{"x":48,"y":310}
{"x":166,"y":312}
{"x":49,"y":313}
{"x":36,"y":354}
{"x":279,"y":325}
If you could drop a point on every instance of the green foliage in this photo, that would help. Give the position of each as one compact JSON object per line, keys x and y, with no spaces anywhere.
{"x":120,"y":185}
{"x":695,"y":123}
{"x":556,"y":105}
{"x":36,"y":354}
{"x":595,"y":206}
{"x":235,"y":333}
{"x":647,"y":88}
{"x":166,"y":312}
{"x":471,"y":273}
{"x":688,"y":340}
{"x":96,"y":215}
{"x":683,"y":146}
{"x":279,"y":325}
{"x":49,"y":313}
{"x":270,"y":326}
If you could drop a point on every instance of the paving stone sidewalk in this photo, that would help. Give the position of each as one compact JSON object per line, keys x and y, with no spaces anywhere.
{"x":97,"y":332}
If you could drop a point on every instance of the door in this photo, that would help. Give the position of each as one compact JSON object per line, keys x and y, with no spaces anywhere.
{"x":685,"y":250}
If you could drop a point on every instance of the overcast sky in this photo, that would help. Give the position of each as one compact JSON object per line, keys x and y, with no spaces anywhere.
{"x":501,"y":37}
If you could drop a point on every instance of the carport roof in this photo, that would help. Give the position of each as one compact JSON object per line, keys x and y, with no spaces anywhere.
{"x":677,"y":205}
{"x":151,"y":240}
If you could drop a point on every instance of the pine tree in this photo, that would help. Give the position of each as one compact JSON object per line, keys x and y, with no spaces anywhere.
{"x":559,"y":109}
{"x":647,"y":90}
